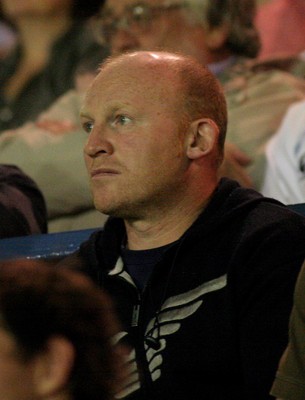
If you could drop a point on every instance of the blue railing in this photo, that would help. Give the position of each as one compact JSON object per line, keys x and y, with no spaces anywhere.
{"x":58,"y":245}
{"x":44,"y":246}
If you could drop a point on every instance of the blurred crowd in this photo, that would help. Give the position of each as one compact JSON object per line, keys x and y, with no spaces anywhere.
{"x":50,"y":52}
{"x":52,"y":105}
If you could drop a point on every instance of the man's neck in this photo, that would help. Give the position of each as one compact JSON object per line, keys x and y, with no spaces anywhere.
{"x":166,"y":228}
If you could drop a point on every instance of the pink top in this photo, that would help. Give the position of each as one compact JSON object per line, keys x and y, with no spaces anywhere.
{"x":281,"y":24}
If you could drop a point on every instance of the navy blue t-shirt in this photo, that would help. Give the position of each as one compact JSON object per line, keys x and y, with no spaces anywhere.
{"x":140,"y":263}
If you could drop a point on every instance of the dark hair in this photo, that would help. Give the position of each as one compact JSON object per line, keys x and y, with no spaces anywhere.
{"x":38,"y":301}
{"x":243,"y":37}
{"x":82,"y":9}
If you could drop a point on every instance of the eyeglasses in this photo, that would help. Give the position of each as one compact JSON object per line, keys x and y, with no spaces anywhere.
{"x":137,"y":17}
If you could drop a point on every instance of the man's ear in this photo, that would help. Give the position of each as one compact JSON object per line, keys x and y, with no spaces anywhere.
{"x":53,"y":367}
{"x":203,"y":137}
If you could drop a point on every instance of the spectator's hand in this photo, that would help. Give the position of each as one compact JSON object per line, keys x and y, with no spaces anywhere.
{"x":57,"y":127}
{"x":234,"y":165}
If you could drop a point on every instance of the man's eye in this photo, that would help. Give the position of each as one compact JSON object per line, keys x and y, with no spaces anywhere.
{"x":121,"y":120}
{"x":88,"y":126}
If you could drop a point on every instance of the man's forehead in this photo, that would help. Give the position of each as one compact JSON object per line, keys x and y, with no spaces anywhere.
{"x":125,"y":73}
{"x":119,"y":83}
{"x":141,"y":66}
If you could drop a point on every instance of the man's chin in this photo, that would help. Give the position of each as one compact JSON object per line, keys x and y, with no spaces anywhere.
{"x":118,"y":211}
{"x":105,"y":209}
{"x":109,"y":209}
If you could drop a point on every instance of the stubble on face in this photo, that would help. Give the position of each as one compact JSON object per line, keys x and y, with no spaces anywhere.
{"x":150,"y":156}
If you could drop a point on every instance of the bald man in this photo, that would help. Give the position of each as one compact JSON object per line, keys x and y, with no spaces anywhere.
{"x":202,"y":271}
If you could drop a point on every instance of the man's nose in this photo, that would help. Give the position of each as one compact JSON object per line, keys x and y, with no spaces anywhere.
{"x":97,"y":144}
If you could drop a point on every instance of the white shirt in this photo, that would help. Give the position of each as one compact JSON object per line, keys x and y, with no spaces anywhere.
{"x":285,"y":152}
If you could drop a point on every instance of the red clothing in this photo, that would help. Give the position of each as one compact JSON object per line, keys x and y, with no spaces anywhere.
{"x":281,"y":27}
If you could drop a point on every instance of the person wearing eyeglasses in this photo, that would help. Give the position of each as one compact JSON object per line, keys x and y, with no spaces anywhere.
{"x":214,"y":32}
{"x":218,"y":33}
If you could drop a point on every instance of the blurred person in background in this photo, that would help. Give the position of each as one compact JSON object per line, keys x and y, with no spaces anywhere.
{"x":52,"y":39}
{"x":49,"y":149}
{"x":282,"y":30}
{"x":281,"y":25}
{"x":22,"y":205}
{"x":284,"y":177}
{"x":7,"y":36}
{"x":222,"y":35}
{"x":218,"y":33}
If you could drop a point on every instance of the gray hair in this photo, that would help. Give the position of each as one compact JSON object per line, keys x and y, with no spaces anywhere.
{"x":243,"y":37}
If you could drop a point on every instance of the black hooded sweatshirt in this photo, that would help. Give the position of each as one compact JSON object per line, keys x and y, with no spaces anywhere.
{"x":212,"y":321}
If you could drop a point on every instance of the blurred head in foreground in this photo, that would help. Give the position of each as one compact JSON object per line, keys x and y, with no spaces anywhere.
{"x":56,"y":331}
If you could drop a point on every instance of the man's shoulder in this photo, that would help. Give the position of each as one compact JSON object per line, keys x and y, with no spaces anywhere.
{"x":239,"y":203}
{"x":103,"y":245}
{"x":278,"y":226}
{"x":259,"y":228}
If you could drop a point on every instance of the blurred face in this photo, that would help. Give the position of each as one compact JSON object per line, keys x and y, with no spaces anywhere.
{"x":16,"y":375}
{"x":155,"y":25}
{"x":135,"y":150}
{"x":18,"y":8}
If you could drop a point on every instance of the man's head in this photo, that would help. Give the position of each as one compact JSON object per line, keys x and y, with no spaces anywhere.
{"x":156,"y":124}
{"x":209,"y":30}
{"x":55,"y":335}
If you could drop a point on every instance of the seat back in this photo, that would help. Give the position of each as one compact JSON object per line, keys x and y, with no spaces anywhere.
{"x":54,"y":246}
{"x":299,"y":208}
{"x":45,"y":246}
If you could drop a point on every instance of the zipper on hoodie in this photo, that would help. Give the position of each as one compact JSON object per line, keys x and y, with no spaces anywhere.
{"x":135,"y":315}
{"x":139,"y":334}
